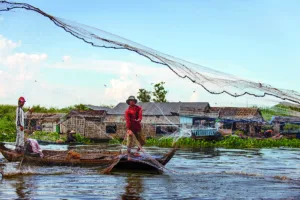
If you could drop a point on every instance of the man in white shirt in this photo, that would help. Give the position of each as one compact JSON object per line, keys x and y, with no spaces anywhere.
{"x":217,"y":124}
{"x":20,"y":120}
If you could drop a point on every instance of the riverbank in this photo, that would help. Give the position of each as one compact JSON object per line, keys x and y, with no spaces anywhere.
{"x":45,"y":136}
{"x":227,"y":142}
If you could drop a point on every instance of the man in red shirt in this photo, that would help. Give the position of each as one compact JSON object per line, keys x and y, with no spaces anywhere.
{"x":133,"y":116}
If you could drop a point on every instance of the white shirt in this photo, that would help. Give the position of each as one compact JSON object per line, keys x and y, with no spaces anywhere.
{"x":217,"y":125}
{"x":20,"y":116}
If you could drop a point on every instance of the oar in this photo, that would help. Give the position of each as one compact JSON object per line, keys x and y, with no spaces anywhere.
{"x":23,"y":155}
{"x":115,"y":162}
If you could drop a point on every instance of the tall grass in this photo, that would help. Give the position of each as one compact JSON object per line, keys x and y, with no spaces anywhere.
{"x":228,"y":142}
{"x":54,"y":137}
{"x":278,"y":110}
{"x":45,"y":136}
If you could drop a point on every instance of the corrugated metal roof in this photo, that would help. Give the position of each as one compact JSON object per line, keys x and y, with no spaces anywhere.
{"x":237,"y":113}
{"x":98,"y":108}
{"x":160,"y":109}
{"x":146,"y":119}
{"x":87,"y":113}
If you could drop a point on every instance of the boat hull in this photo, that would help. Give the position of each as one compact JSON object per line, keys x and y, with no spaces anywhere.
{"x":103,"y":158}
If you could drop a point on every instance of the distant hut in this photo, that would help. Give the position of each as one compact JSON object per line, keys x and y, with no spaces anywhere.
{"x":279,"y":122}
{"x":237,"y":118}
{"x":88,"y":123}
{"x":158,"y":118}
{"x":197,"y":114}
{"x":47,"y":122}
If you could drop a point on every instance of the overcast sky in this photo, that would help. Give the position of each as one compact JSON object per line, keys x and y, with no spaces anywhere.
{"x":256,"y":40}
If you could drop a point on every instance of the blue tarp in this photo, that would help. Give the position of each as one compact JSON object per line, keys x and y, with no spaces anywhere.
{"x":204,"y":132}
{"x":233,"y":120}
{"x":280,"y":119}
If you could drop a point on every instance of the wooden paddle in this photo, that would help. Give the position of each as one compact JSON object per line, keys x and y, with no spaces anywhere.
{"x":25,"y":146}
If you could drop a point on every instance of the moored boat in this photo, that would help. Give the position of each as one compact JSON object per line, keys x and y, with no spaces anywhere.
{"x":100,"y":158}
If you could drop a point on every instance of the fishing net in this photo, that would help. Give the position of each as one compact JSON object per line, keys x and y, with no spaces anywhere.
{"x":214,"y":82}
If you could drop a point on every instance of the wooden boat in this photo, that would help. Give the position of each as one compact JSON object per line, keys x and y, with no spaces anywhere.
{"x":101,"y":158}
{"x":42,"y":142}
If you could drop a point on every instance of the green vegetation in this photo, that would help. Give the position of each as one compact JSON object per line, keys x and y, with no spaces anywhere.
{"x":41,"y":109}
{"x":239,"y":132}
{"x":228,"y":142}
{"x":82,"y":139}
{"x":114,"y":141}
{"x":291,"y":127}
{"x":144,"y":95}
{"x":8,"y":115}
{"x":159,"y":94}
{"x":7,"y":137}
{"x":278,"y":110}
{"x":283,"y":107}
{"x":54,"y":137}
{"x":268,"y":113}
{"x":7,"y":119}
{"x":45,"y":136}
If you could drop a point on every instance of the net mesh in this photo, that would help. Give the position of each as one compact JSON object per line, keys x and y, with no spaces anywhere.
{"x":214,"y":82}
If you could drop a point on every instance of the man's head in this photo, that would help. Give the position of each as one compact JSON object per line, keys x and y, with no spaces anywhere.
{"x":21,"y":101}
{"x":131,"y":100}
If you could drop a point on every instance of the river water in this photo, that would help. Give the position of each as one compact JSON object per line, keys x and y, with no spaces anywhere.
{"x":193,"y":174}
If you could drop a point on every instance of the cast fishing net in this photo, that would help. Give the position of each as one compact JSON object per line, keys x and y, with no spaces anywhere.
{"x":213,"y":81}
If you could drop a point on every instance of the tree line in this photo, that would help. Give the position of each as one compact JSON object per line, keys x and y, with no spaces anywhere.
{"x":158,"y":94}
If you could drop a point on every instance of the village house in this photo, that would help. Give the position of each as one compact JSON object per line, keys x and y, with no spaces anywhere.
{"x":161,"y":119}
{"x":279,"y":123}
{"x":47,"y":122}
{"x":248,"y":120}
{"x":158,"y":118}
{"x":89,"y":123}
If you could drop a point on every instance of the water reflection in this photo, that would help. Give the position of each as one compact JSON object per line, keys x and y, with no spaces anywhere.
{"x":20,"y":188}
{"x":133,"y":188}
{"x":196,"y":173}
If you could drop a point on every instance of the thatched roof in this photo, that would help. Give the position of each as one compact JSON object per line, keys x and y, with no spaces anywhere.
{"x":46,"y":117}
{"x":87,"y":113}
{"x":237,"y":113}
{"x":163,"y":109}
{"x":98,"y":108}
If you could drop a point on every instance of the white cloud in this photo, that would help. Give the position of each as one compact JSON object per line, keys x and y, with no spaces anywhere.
{"x":16,"y":68}
{"x":123,"y":86}
{"x":132,"y":76}
{"x":19,"y":72}
{"x":7,"y":46}
{"x":66,"y":58}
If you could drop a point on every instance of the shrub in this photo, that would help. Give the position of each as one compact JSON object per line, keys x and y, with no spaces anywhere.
{"x":291,"y":127}
{"x":80,"y":138}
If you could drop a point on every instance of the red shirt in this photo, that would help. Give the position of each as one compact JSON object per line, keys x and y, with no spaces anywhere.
{"x":133,"y":116}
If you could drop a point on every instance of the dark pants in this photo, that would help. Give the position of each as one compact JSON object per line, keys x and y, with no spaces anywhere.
{"x":136,"y":138}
